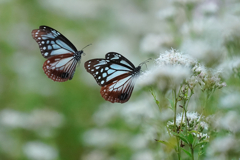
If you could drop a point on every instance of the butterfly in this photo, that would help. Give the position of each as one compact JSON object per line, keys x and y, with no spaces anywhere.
{"x":62,"y":56}
{"x":115,"y":74}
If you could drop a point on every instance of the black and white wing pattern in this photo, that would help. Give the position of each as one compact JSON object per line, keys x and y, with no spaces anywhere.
{"x":62,"y":56}
{"x":115,"y":74}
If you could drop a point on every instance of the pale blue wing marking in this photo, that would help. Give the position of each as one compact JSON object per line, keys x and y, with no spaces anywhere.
{"x":119,"y":67}
{"x":64,"y":45}
{"x":114,"y":75}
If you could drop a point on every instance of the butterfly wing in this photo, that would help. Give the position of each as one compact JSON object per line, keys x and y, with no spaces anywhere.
{"x":105,"y":71}
{"x":119,"y":90}
{"x":119,"y":59}
{"x":51,"y":42}
{"x":60,"y":67}
{"x":115,"y":74}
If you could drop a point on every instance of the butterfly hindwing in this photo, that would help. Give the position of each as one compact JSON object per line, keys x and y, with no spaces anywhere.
{"x":61,"y":67}
{"x":51,"y":42}
{"x":119,"y":90}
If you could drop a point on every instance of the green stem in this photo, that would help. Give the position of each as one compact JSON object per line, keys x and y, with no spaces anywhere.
{"x":186,"y":120}
{"x":178,"y":149}
{"x":189,"y":99}
{"x":175,"y":117}
{"x":185,"y":110}
{"x":175,"y":109}
{"x":205,"y":104}
{"x":192,"y":151}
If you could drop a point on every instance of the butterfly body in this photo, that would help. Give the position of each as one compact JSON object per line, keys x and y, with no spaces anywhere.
{"x":62,"y":56}
{"x":115,"y":74}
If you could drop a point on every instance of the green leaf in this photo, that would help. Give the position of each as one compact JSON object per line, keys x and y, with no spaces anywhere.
{"x":172,"y":103}
{"x":195,"y":142}
{"x":201,"y":139}
{"x":190,"y":138}
{"x":163,"y":142}
{"x":193,"y":131}
{"x":155,"y":98}
{"x":201,"y":143}
{"x":181,"y":136}
{"x":188,"y":153}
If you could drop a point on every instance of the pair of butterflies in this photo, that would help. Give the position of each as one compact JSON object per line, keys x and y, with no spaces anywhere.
{"x":115,"y":74}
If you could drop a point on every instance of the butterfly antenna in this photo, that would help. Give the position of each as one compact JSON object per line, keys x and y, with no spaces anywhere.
{"x":145,"y":62}
{"x":86,"y":47}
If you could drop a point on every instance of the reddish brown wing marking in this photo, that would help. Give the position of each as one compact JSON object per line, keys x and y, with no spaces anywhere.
{"x":119,"y":90}
{"x":60,"y":68}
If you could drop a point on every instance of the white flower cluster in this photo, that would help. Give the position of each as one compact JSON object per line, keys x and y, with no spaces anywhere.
{"x":165,"y":77}
{"x":230,"y":100}
{"x":175,"y":58}
{"x":38,"y":150}
{"x":173,"y":68}
{"x":236,"y":65}
{"x":195,"y":122}
{"x":229,"y":121}
{"x":43,"y":121}
{"x":207,"y":79}
{"x":224,"y":148}
{"x":155,"y":42}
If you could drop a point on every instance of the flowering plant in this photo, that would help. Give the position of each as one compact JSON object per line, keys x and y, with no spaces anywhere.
{"x":181,"y":75}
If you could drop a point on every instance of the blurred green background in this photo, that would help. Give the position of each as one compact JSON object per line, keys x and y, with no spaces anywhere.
{"x":37,"y":112}
{"x":43,"y":120}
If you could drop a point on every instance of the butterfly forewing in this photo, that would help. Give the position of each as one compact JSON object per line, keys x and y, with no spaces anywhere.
{"x":115,"y":74}
{"x":104,"y":71}
{"x":118,"y":58}
{"x":51,"y":42}
{"x":61,"y":67}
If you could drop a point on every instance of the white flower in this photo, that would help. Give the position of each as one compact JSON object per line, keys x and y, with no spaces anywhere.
{"x":138,"y":142}
{"x":104,"y":137}
{"x":165,"y":13}
{"x":165,"y":77}
{"x":95,"y":155}
{"x":43,"y":121}
{"x":173,"y":68}
{"x":201,"y":135}
{"x":192,"y":117}
{"x":223,"y":145}
{"x":134,"y":112}
{"x":45,"y":118}
{"x":204,"y":125}
{"x":230,"y":121}
{"x":14,"y":119}
{"x":39,"y":151}
{"x":143,"y":155}
{"x":230,"y":100}
{"x":100,"y":137}
{"x":85,"y":8}
{"x":105,"y":114}
{"x":194,"y":122}
{"x":203,"y":50}
{"x":230,"y":67}
{"x":154,"y":42}
{"x":174,"y":58}
{"x":209,"y":7}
